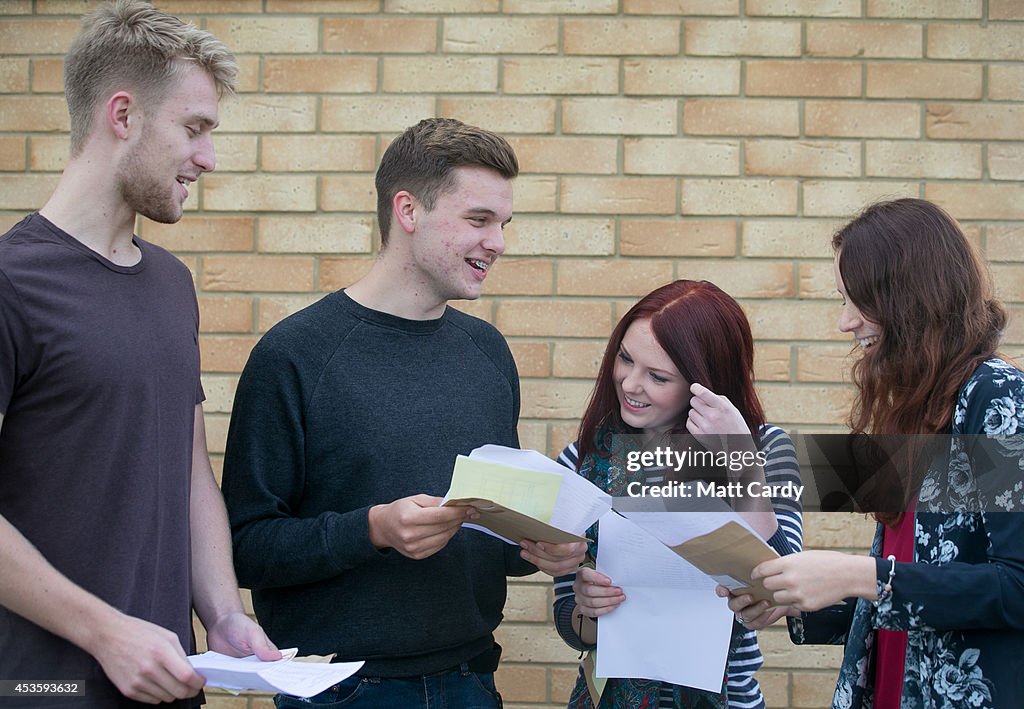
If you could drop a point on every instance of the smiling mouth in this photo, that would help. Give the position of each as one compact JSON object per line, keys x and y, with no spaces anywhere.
{"x":634,"y":404}
{"x":478,"y":265}
{"x":867,"y":342}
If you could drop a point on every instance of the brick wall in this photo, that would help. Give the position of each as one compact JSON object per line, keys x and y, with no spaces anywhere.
{"x":719,"y":139}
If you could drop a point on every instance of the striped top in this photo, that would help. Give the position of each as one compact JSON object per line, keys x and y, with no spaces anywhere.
{"x":744,"y":654}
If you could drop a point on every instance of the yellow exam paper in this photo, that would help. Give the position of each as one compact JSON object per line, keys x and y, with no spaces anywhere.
{"x":527,"y":491}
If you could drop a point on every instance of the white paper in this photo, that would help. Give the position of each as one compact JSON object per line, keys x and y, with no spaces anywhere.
{"x":299,"y":679}
{"x":671,"y":627}
{"x":579,"y":504}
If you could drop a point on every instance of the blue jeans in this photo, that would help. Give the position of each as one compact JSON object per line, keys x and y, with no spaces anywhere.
{"x":454,"y":689}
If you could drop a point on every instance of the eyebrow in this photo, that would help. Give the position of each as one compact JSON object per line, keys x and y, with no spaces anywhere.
{"x":484,"y":211}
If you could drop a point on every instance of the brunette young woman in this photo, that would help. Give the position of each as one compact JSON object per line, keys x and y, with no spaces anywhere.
{"x":934,"y":617}
{"x":680,"y":361}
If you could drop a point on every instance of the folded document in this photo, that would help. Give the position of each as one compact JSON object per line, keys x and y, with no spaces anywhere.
{"x":299,"y":679}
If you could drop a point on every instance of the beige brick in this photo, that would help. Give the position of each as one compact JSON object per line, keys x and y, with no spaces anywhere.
{"x":771,"y":362}
{"x":439,"y":74}
{"x":220,"y":397}
{"x":612,"y":277}
{"x":743,"y":278}
{"x":220,"y":701}
{"x":225,"y":353}
{"x":999,"y":42}
{"x":48,"y":76}
{"x":501,"y":35}
{"x":804,"y":8}
{"x":812,"y":690}
{"x":565,"y":154}
{"x":1004,"y":242}
{"x":870,"y":40}
{"x":562,"y":434}
{"x":802,"y":158}
{"x":14,"y":75}
{"x":236,"y":153}
{"x":805,"y":404}
{"x":561,"y":7}
{"x":226,"y":313}
{"x":527,"y":602}
{"x":793,"y":320}
{"x":271,"y":310}
{"x":547,"y":399}
{"x":16,"y":7}
{"x":267,"y":35}
{"x":48,"y":153}
{"x":259,"y":113}
{"x":681,"y":7}
{"x":890,"y":158}
{"x":444,"y":7}
{"x":336,"y":273}
{"x":1006,"y":82}
{"x":1014,"y":333}
{"x":803,"y":77}
{"x":769,"y":38}
{"x":578,"y":359}
{"x":1005,"y":10}
{"x":536,"y":193}
{"x":547,"y":318}
{"x":315,"y":235}
{"x":380,"y":35}
{"x":833,"y":530}
{"x":257,"y":273}
{"x":29,"y":114}
{"x":12,"y":153}
{"x":924,"y":80}
{"x":205,"y":232}
{"x":739,"y":196}
{"x":501,"y":114}
{"x":620,"y":116}
{"x":533,"y":359}
{"x":824,"y":363}
{"x":681,"y":156}
{"x":677,"y":237}
{"x":967,"y":200}
{"x":311,"y":153}
{"x":684,"y":76}
{"x":816,"y":279}
{"x":248,"y":74}
{"x":521,"y":276}
{"x":348,"y":193}
{"x":799,"y":238}
{"x":560,"y":236}
{"x":741,"y":117}
{"x":320,"y":74}
{"x":25,"y":192}
{"x":846,"y":198}
{"x":620,"y":36}
{"x":324,"y":6}
{"x":533,"y":435}
{"x":560,"y":75}
{"x":930,"y":9}
{"x":975,"y":122}
{"x":618,"y":195}
{"x":521,"y":683}
{"x":862,"y":119}
{"x":37,"y":36}
{"x":1009,"y":284}
{"x":260,"y":193}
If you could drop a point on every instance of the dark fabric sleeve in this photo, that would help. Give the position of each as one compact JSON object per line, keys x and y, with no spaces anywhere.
{"x":14,"y":334}
{"x":264,"y":476}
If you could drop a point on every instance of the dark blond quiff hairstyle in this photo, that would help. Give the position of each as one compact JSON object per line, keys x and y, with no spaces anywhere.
{"x":130,"y":45}
{"x":908,"y":267}
{"x":423,"y":159}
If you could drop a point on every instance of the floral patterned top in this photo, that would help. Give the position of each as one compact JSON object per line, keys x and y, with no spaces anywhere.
{"x":961,"y":601}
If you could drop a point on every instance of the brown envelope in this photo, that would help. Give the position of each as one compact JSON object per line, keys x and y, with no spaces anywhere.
{"x":514,"y":525}
{"x":733,"y":551}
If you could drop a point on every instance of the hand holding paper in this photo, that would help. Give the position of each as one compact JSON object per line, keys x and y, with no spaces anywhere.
{"x":300,"y":679}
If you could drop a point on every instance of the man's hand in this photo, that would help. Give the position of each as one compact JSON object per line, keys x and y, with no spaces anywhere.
{"x":145,"y":662}
{"x":595,"y":594}
{"x":554,"y":559}
{"x":237,"y":635}
{"x":416,"y":527}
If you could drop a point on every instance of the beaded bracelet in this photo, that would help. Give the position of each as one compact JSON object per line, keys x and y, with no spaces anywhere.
{"x":886,"y":588}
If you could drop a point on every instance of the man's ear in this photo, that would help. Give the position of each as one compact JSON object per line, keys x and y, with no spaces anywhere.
{"x":405,"y":208}
{"x":120,"y":114}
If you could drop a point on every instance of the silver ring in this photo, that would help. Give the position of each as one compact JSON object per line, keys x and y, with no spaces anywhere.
{"x":741,"y":618}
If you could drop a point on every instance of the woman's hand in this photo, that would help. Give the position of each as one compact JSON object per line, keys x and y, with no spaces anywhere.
{"x":712,"y":415}
{"x":595,"y":594}
{"x":812,"y":580}
{"x":752,"y":613}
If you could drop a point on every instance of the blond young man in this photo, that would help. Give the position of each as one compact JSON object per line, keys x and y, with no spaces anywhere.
{"x":112,"y":528}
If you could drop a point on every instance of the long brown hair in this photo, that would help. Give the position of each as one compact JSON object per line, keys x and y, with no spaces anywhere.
{"x":704,"y":332}
{"x":908,"y":267}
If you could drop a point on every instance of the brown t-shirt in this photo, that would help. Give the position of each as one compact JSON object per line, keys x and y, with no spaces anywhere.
{"x":99,"y":379}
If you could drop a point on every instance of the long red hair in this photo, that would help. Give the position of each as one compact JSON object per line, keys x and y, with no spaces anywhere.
{"x":704,"y":332}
